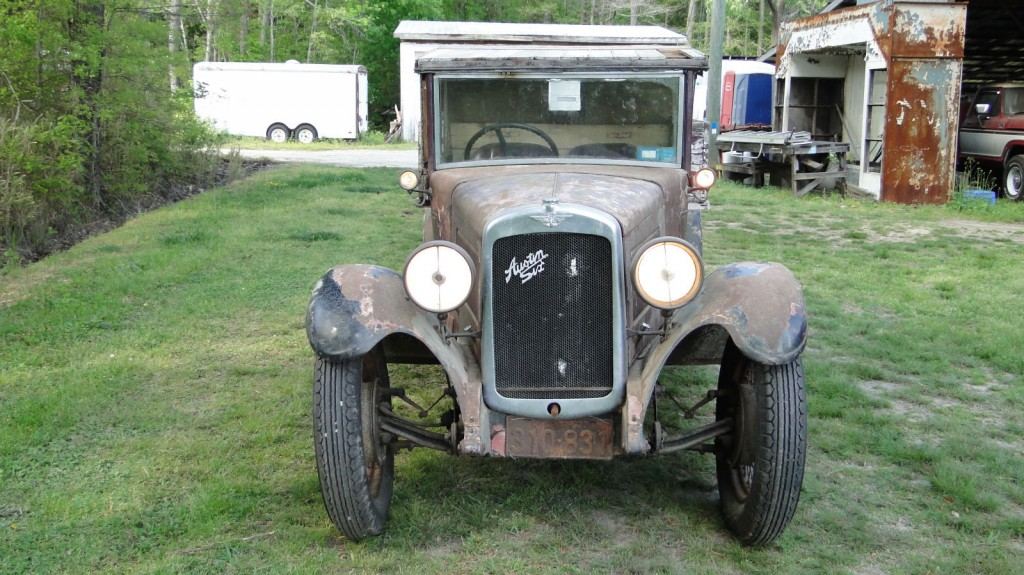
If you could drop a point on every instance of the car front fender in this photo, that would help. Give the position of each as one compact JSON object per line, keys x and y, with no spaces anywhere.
{"x":759,"y":306}
{"x":356,"y":307}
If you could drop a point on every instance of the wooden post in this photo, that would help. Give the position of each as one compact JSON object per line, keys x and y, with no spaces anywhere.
{"x":715,"y":77}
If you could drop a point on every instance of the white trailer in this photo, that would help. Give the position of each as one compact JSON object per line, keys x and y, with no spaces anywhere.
{"x":280,"y":101}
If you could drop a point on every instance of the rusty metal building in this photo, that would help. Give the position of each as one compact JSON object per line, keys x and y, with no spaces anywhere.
{"x":884,"y":76}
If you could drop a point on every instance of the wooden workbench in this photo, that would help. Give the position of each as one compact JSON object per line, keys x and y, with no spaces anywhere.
{"x":786,"y":157}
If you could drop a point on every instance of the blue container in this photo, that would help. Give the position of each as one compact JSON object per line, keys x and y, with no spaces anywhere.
{"x":987,"y":196}
{"x":752,"y":102}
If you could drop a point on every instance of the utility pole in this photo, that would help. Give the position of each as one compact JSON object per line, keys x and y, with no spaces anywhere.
{"x":715,"y":78}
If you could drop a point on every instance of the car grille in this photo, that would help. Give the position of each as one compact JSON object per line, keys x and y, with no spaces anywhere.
{"x":552,"y":316}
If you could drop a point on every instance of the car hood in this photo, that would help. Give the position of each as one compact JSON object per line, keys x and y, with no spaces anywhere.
{"x":645,"y":206}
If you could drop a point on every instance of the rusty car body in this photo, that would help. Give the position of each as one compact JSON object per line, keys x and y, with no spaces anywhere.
{"x":992,"y":134}
{"x":561,"y":272}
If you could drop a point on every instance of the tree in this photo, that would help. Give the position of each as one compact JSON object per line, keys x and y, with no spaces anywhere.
{"x":173,"y":30}
{"x":89,"y":126}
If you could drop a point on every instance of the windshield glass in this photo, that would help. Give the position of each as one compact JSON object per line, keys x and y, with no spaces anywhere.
{"x":610,"y":118}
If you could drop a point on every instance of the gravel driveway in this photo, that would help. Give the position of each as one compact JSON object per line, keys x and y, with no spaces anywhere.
{"x":346,"y":158}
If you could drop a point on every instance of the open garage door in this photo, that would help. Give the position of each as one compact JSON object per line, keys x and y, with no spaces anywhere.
{"x":994,"y":46}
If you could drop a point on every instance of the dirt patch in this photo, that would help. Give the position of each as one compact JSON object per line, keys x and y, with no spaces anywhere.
{"x":994,"y":381}
{"x":985,"y":230}
{"x":967,"y":229}
{"x":1010,"y":446}
{"x":884,"y":390}
{"x":878,"y":389}
{"x":944,"y":402}
{"x":615,"y":526}
{"x":443,"y":548}
{"x":929,"y":403}
{"x":730,"y":226}
{"x":901,"y":525}
{"x":869,"y":570}
{"x":907,"y":235}
{"x":821,"y":232}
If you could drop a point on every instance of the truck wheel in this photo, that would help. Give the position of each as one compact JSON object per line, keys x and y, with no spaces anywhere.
{"x":356,"y":467}
{"x":1013,"y":178}
{"x":760,"y":465}
{"x":278,"y":133}
{"x":305,"y":134}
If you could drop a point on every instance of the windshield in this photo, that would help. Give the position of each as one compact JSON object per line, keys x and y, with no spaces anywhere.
{"x":557,"y":118}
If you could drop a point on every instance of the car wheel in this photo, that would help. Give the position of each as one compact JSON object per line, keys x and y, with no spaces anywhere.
{"x":760,"y":465}
{"x":305,"y":134}
{"x":278,"y":133}
{"x":355,"y":465}
{"x":1013,"y":178}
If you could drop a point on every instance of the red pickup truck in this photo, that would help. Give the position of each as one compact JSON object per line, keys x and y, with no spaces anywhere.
{"x":992,"y":133}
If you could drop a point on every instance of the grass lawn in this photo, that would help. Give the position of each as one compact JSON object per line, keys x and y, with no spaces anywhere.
{"x":373,"y":142}
{"x":155,"y":392}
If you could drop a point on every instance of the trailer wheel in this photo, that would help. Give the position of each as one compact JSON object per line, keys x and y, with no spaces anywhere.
{"x":278,"y":133}
{"x":1013,"y":178}
{"x":306,"y":134}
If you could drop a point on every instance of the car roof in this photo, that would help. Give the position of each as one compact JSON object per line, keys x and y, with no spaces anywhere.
{"x":561,"y":58}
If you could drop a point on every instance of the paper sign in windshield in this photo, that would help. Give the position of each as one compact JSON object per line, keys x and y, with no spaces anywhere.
{"x":564,"y":96}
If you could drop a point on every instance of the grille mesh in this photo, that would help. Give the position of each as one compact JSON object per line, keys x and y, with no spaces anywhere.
{"x":552,"y":329}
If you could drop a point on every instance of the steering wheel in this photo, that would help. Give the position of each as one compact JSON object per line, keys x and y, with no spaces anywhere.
{"x":503,"y":146}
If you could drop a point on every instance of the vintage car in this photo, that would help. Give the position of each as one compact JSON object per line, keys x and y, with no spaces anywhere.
{"x":560,"y":272}
{"x":992,"y":134}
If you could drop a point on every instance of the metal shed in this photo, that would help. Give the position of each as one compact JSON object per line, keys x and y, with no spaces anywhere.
{"x":421,"y":37}
{"x":884,"y":76}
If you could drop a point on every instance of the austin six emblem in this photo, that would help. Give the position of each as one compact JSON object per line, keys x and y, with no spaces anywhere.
{"x":525,"y":270}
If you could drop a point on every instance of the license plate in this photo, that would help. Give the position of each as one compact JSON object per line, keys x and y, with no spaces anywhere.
{"x":585,"y":438}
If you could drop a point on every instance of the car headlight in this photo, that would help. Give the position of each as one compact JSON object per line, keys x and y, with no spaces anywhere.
{"x":438,"y":276}
{"x":704,"y":179}
{"x":408,"y":180}
{"x":668,"y":273}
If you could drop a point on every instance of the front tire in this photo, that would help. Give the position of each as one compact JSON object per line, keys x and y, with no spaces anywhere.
{"x":760,"y":465}
{"x":1013,"y":178}
{"x":355,"y":466}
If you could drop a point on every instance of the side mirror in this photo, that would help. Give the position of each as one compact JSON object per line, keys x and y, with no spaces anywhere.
{"x":982,"y":109}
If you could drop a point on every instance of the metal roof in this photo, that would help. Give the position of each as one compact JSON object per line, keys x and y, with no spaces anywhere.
{"x":521,"y":58}
{"x":279,"y":67}
{"x":506,"y":32}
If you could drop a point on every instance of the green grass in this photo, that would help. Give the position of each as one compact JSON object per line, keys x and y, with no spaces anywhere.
{"x":373,"y":140}
{"x":155,"y":402}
